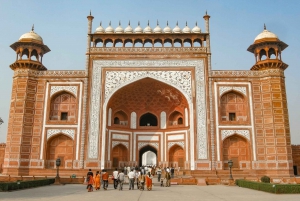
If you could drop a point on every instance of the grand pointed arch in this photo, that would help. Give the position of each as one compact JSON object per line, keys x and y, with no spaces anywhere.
{"x":179,"y":79}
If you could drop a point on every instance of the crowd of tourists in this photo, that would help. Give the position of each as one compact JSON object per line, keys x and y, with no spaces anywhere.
{"x":140,"y":176}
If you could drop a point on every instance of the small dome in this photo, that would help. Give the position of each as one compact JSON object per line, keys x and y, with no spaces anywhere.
{"x":176,"y":29}
{"x":266,"y":34}
{"x":109,"y":29}
{"x":31,"y":35}
{"x":196,"y":29}
{"x":157,"y":29}
{"x":100,"y":29}
{"x":148,"y":29}
{"x":186,"y":29}
{"x":138,"y":29}
{"x":119,"y":29}
{"x":167,"y":29}
{"x":128,"y":29}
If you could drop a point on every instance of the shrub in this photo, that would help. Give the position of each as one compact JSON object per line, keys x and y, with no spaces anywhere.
{"x":271,"y":188}
{"x":10,"y":186}
{"x":265,"y":179}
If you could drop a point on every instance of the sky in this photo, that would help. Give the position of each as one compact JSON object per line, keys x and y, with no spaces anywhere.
{"x":233,"y":26}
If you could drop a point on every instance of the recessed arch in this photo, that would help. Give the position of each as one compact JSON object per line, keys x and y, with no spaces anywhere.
{"x":144,"y":149}
{"x":63,"y":106}
{"x":148,"y":119}
{"x":176,"y":156}
{"x":128,"y":43}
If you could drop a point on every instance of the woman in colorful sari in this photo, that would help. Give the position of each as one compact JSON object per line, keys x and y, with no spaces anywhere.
{"x":148,"y":181}
{"x":90,"y":183}
{"x":97,"y":181}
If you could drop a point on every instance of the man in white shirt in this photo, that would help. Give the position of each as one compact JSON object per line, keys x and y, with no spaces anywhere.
{"x":131,"y":177}
{"x":115,"y":175}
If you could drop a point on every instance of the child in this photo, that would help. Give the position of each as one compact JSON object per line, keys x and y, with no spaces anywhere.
{"x":161,"y":182}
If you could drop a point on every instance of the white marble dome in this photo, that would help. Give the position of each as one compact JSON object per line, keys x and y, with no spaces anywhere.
{"x":119,"y":29}
{"x":167,"y":29}
{"x":109,"y":29}
{"x":148,"y":29}
{"x":196,"y":29}
{"x":128,"y":29}
{"x":31,"y":35}
{"x":186,"y":29}
{"x":157,"y":29}
{"x":177,"y":29}
{"x":138,"y":29}
{"x":100,"y":29}
{"x":266,"y":34}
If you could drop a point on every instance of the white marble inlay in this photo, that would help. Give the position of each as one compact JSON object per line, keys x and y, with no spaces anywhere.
{"x":224,"y":89}
{"x":181,"y":144}
{"x":71,"y":89}
{"x":148,"y":138}
{"x":142,"y":144}
{"x":175,"y":137}
{"x":68,"y":132}
{"x":115,"y":143}
{"x":120,"y":137}
{"x":244,"y":133}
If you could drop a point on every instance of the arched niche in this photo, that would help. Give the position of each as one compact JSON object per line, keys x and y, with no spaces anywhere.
{"x":148,"y":119}
{"x":237,"y":149}
{"x":120,"y":118}
{"x":234,"y":107}
{"x":176,"y":118}
{"x":119,"y":155}
{"x":145,"y":149}
{"x":176,"y":156}
{"x":60,"y":146}
{"x":63,"y":107}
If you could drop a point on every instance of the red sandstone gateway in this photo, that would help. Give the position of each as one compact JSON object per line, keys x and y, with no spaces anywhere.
{"x":149,"y":90}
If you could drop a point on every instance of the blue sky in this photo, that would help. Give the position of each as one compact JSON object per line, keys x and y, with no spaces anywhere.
{"x":233,"y":26}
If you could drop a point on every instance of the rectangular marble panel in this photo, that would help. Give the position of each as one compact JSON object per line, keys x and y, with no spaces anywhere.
{"x":175,"y":137}
{"x":121,"y":137}
{"x":148,"y":138}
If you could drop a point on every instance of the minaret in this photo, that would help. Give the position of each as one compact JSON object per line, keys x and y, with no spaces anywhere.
{"x":270,"y":105}
{"x":24,"y":127}
{"x":88,"y":43}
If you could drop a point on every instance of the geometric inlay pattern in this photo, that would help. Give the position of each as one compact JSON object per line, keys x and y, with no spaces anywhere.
{"x":68,"y":132}
{"x":142,"y":144}
{"x":244,"y":133}
{"x":115,"y":143}
{"x":170,"y":144}
{"x":115,"y":80}
{"x":224,"y":89}
{"x":72,"y":89}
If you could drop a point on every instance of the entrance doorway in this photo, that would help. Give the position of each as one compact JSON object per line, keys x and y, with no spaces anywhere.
{"x":148,"y":154}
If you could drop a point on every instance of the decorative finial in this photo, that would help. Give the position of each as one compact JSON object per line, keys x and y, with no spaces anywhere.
{"x":32,"y":29}
{"x":100,"y":23}
{"x":129,"y":23}
{"x":138,"y":23}
{"x":90,"y":12}
{"x":185,"y":23}
{"x":109,"y":23}
{"x":265,"y":26}
{"x":119,"y":23}
{"x":148,"y":22}
{"x":167,"y":23}
{"x":157,"y":23}
{"x":177,"y":23}
{"x":206,"y":12}
{"x":196,"y":23}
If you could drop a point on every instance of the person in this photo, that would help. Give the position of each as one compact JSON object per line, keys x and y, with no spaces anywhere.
{"x":141,"y":181}
{"x":172,"y":172}
{"x":90,"y":183}
{"x":136,"y":175}
{"x":158,"y":172}
{"x":161,"y":182}
{"x":87,"y":177}
{"x":168,"y":178}
{"x":128,"y":169}
{"x":131,"y":177}
{"x":121,"y":178}
{"x":105,"y":179}
{"x":115,"y":175}
{"x":97,"y":181}
{"x":148,"y":181}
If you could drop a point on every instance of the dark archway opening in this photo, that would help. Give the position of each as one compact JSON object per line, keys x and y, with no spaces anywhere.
{"x":148,"y":119}
{"x":144,"y":150}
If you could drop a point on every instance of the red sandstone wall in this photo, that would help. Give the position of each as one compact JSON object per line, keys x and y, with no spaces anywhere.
{"x":296,"y":156}
{"x":2,"y":152}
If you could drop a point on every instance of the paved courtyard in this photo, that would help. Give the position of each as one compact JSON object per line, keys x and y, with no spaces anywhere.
{"x":173,"y":193}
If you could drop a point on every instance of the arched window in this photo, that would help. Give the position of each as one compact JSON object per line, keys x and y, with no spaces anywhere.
{"x":272,"y":53}
{"x":175,"y":118}
{"x":262,"y":55}
{"x":148,"y":119}
{"x":116,"y":120}
{"x":180,"y":121}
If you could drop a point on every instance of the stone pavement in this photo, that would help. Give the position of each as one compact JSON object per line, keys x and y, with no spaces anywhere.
{"x":176,"y":192}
